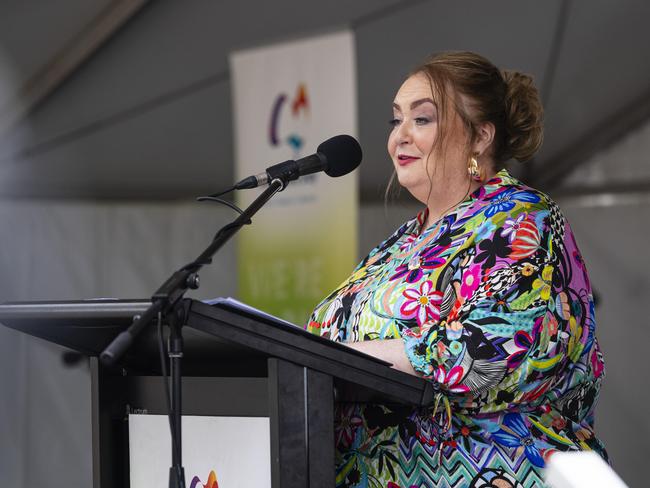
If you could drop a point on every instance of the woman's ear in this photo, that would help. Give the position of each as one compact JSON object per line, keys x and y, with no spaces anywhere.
{"x":484,"y":138}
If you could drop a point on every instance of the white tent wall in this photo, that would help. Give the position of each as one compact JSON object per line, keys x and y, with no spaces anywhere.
{"x":77,"y":250}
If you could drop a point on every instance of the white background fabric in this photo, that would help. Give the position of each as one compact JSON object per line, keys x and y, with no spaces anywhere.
{"x":62,"y":251}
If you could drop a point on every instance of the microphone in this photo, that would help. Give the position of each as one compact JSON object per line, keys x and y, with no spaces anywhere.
{"x":336,"y":156}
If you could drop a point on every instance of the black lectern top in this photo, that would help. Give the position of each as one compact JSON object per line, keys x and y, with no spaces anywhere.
{"x":218,"y":340}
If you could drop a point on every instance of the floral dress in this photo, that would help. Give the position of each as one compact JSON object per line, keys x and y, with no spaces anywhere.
{"x":494,"y":306}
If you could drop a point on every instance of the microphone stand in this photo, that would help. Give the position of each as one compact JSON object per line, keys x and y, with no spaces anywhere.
{"x":166,"y":303}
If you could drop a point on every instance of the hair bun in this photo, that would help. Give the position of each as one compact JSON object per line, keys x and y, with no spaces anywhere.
{"x":524,"y":116}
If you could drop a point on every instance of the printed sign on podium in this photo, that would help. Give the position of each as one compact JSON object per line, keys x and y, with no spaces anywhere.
{"x":218,"y":452}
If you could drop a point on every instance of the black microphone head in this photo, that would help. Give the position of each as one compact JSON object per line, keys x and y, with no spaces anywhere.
{"x":342,"y":153}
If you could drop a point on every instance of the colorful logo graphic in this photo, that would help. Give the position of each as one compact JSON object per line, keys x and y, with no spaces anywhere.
{"x":212,"y":482}
{"x":299,"y":108}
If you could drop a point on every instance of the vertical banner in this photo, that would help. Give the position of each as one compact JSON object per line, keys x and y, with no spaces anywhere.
{"x":287,"y":99}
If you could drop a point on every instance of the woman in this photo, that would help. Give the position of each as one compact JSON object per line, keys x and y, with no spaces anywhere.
{"x":484,"y":293}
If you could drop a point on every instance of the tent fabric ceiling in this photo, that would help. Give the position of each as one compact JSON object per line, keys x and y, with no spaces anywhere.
{"x":148,"y":116}
{"x":33,"y":33}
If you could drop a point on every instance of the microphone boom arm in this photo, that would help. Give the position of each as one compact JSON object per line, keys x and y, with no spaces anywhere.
{"x":173,"y":289}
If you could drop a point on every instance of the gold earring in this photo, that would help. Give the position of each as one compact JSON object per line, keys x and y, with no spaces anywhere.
{"x":472,"y":169}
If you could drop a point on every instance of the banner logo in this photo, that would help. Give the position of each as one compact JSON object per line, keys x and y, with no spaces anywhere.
{"x":212,"y":481}
{"x":288,"y":98}
{"x":299,"y":107}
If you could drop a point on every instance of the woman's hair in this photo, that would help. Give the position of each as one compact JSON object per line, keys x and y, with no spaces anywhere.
{"x":479,"y":92}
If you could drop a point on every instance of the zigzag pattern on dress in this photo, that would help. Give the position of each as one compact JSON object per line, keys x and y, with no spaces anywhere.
{"x":421,"y":468}
{"x":498,"y":280}
{"x":557,"y":224}
{"x":420,"y":472}
{"x":406,"y":448}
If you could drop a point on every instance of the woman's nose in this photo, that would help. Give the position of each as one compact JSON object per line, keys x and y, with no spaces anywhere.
{"x":403,"y":135}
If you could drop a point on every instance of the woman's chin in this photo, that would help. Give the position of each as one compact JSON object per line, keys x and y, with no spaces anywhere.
{"x":415,"y":188}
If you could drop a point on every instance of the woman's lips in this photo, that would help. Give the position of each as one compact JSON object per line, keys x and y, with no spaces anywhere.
{"x":403,"y":159}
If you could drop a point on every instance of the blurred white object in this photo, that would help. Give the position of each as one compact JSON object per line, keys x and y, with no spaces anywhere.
{"x":583,"y":469}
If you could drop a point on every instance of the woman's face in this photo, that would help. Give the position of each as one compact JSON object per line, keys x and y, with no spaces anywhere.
{"x":411,"y":142}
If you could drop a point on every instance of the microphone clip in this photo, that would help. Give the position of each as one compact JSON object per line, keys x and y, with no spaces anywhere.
{"x":285,"y":172}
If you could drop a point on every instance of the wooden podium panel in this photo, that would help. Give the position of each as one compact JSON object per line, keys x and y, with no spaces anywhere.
{"x":252,"y":365}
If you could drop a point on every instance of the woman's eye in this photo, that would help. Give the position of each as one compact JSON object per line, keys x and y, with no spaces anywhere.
{"x":394,"y":122}
{"x":422,"y":120}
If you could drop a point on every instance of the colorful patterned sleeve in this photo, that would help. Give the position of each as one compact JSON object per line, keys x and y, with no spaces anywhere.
{"x":515,"y":308}
{"x":331,"y":316}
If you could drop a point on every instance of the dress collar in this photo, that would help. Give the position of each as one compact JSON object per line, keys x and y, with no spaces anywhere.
{"x":500,"y":179}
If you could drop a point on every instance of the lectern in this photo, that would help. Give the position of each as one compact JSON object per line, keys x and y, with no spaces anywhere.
{"x":236,"y":364}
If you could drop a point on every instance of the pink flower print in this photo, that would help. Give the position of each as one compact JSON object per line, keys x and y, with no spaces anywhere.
{"x":422,"y":303}
{"x":408,"y":242}
{"x":451,"y":379}
{"x":470,"y":282}
{"x":597,"y":363}
{"x":511,"y":226}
